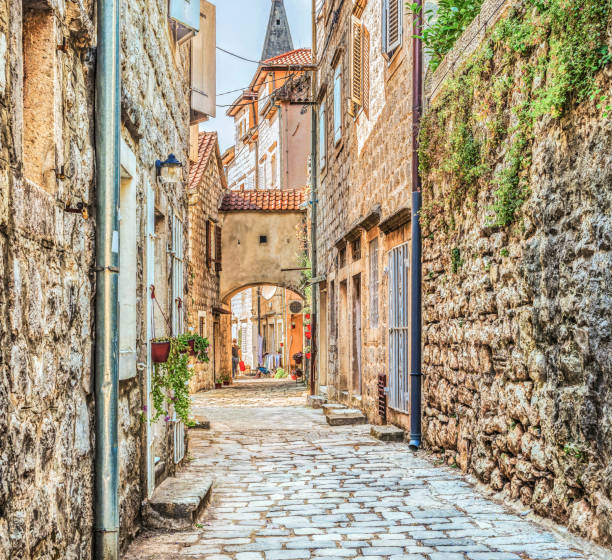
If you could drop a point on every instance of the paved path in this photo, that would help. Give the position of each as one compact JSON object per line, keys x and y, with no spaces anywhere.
{"x":288,"y":486}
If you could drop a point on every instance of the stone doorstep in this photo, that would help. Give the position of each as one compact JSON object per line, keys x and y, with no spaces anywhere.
{"x":345,"y":417}
{"x":177,"y":502}
{"x":200,"y":423}
{"x":387,"y":433}
{"x":329,"y":407}
{"x":315,"y":401}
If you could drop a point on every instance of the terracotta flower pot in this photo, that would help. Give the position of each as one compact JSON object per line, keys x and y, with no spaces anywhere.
{"x":226,"y":383}
{"x":218,"y":384}
{"x":160,"y":351}
{"x":191,"y":346}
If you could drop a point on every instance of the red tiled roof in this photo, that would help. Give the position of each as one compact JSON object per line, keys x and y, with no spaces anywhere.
{"x":297,"y":57}
{"x":260,"y":200}
{"x":207,"y":144}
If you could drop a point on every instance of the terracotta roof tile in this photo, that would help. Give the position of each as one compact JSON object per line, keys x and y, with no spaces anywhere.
{"x":297,"y":57}
{"x":207,"y":142}
{"x":260,"y":200}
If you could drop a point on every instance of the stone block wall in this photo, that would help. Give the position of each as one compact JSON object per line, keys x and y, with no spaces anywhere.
{"x":516,"y":340}
{"x":203,"y":292}
{"x":46,"y":260}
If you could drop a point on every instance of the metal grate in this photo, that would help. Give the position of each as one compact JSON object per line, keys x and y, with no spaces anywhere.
{"x":179,"y":441}
{"x":399,"y":330}
{"x":382,"y":397}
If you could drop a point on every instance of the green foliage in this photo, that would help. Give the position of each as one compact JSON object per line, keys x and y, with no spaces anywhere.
{"x":547,"y":54}
{"x":280,"y":373}
{"x":574,"y":450}
{"x":170,"y":384}
{"x":444,"y":26}
{"x":456,"y":260}
{"x":504,"y":252}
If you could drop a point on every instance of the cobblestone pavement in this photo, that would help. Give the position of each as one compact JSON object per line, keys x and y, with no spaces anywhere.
{"x":288,"y":486}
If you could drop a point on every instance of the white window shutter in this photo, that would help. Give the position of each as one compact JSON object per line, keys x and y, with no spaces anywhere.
{"x":203,"y":66}
{"x":365,"y":87}
{"x":394,"y":25}
{"x":356,"y":61}
{"x":322,"y":136}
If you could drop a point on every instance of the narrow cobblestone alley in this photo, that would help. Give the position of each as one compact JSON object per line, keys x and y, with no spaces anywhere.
{"x":288,"y":486}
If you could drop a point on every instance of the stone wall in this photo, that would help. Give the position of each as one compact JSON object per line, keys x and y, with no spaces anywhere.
{"x":46,"y":260}
{"x":365,"y":182}
{"x":203,"y":278}
{"x":517,"y":351}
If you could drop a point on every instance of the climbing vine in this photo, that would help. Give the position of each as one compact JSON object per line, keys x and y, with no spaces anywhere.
{"x":536,"y":64}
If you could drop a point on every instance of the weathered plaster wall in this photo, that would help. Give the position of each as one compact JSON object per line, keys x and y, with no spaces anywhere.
{"x":46,"y":257}
{"x":517,"y":350}
{"x":248,"y":262}
{"x":243,"y":169}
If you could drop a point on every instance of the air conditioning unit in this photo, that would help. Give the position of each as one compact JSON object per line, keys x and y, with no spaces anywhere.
{"x":296,"y":307}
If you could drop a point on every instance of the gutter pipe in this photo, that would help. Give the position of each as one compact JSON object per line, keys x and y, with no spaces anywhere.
{"x":313,"y":208}
{"x":416,"y":272}
{"x":106,"y":513}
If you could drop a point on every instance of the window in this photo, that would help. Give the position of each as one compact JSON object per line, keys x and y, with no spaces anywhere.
{"x":202,"y":323}
{"x":263,"y":239}
{"x":338,"y":104}
{"x":360,"y":66}
{"x":356,"y":249}
{"x":373,"y":288}
{"x":392,"y":19}
{"x":209,"y":248}
{"x":177,"y":275}
{"x":342,"y":257}
{"x":273,"y":170}
{"x":333,"y":325}
{"x":322,"y":136}
{"x":218,"y":256}
{"x":39,"y":94}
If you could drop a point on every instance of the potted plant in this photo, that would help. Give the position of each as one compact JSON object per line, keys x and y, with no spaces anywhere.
{"x":201,"y":345}
{"x":170,"y":384}
{"x":218,"y":384}
{"x":160,"y":350}
{"x":225,"y":378}
{"x":188,"y":343}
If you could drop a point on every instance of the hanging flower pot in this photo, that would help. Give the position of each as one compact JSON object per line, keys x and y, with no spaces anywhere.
{"x":191,"y":344}
{"x":160,"y":350}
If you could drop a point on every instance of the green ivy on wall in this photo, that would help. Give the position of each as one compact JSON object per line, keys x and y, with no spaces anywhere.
{"x":536,"y":63}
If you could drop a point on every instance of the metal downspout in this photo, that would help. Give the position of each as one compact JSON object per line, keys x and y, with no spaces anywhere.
{"x":106,"y":522}
{"x":415,"y":287}
{"x":313,"y":209}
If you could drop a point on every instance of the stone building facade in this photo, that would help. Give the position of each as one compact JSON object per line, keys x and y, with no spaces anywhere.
{"x":206,"y":315}
{"x":363,"y":195}
{"x":47,"y":227}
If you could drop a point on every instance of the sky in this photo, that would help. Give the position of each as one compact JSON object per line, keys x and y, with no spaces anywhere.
{"x":241,"y":28}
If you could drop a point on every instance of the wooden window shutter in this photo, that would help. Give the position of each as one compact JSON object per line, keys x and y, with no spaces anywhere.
{"x":203,"y":66}
{"x":356,"y":61}
{"x":208,"y":244}
{"x":393,"y":25}
{"x":218,"y":248}
{"x":365,"y":87}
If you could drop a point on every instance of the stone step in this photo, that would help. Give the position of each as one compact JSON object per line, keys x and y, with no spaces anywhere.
{"x":329,"y":407}
{"x":387,"y":433}
{"x":200,"y":422}
{"x":345,"y":417}
{"x":177,"y":502}
{"x":315,"y":401}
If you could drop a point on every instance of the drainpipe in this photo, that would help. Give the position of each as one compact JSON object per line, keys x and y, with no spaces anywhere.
{"x":106,"y":513}
{"x":106,"y":521}
{"x":313,"y":211}
{"x":415,"y":291}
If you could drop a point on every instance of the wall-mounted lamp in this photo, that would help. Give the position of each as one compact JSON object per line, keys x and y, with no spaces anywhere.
{"x":170,"y":169}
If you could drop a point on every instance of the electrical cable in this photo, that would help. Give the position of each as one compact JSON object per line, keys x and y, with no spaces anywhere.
{"x":238,"y":56}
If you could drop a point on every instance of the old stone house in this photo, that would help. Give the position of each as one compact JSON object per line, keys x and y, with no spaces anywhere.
{"x":363,"y":164}
{"x":206,"y":314}
{"x":516,"y":386}
{"x":48,"y":224}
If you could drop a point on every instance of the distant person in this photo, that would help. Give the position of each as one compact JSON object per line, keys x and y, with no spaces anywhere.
{"x":235,"y":357}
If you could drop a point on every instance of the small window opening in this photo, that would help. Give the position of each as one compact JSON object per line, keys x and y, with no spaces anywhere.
{"x":356,"y":249}
{"x":278,"y":22}
{"x":263,"y":239}
{"x":342,"y":257}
